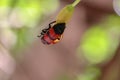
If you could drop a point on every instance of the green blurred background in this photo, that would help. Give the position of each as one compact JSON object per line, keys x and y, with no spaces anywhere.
{"x":89,"y":50}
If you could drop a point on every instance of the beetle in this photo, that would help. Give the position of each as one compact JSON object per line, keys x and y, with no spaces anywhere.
{"x":53,"y":33}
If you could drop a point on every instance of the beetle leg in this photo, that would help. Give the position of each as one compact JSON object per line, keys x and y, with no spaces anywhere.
{"x":42,"y":33}
{"x":44,"y":30}
{"x":51,"y":24}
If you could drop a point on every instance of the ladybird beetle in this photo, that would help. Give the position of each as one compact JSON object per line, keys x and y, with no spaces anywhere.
{"x":53,"y":33}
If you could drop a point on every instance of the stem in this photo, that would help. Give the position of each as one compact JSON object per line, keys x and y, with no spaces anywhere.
{"x":75,"y":3}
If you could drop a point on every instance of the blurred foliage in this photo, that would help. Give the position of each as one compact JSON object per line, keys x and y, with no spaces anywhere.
{"x":34,"y":10}
{"x":113,"y":22}
{"x":116,"y":6}
{"x":100,"y":42}
{"x":8,"y":38}
{"x":64,"y":77}
{"x":22,"y":17}
{"x":4,"y":8}
{"x":19,"y":18}
{"x":96,"y":45}
{"x":90,"y":73}
{"x":23,"y":39}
